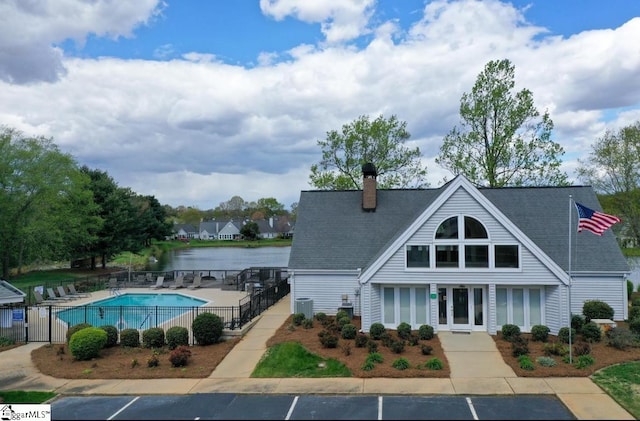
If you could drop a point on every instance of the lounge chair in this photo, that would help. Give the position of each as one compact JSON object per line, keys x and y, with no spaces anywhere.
{"x":159,"y":283}
{"x":74,"y":293}
{"x":52,"y":296}
{"x":113,"y":286}
{"x":41,"y":301}
{"x":179,"y":283}
{"x":63,"y":294}
{"x":197,"y":282}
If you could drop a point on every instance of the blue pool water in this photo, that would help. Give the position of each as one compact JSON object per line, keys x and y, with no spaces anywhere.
{"x":138,"y":311}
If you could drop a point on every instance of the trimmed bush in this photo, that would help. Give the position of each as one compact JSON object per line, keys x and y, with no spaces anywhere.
{"x":153,"y":337}
{"x":130,"y":338}
{"x":425,"y":332}
{"x":328,"y":340}
{"x":526,"y":363}
{"x":297,"y":319}
{"x":546,"y":361}
{"x":540,"y":333}
{"x":597,"y":309}
{"x":555,"y":348}
{"x":434,"y":364}
{"x":634,"y":326}
{"x":578,"y":321}
{"x":397,"y":346}
{"x":372,"y":347}
{"x":361,"y":340}
{"x":307,"y":323}
{"x":376,"y":330}
{"x":510,"y":331}
{"x":177,"y":336}
{"x":413,"y":339}
{"x":426,"y":349}
{"x":342,"y":321}
{"x":342,"y":313}
{"x":634,"y":312}
{"x":636,"y":301}
{"x":591,"y":332}
{"x":582,"y":348}
{"x":401,"y":364}
{"x":519,"y":346}
{"x":86,"y":343}
{"x":349,"y":331}
{"x":112,"y":335}
{"x":404,"y":330}
{"x":321,"y":316}
{"x":207,"y":328}
{"x":563,"y":335}
{"x":620,"y":338}
{"x":75,"y":328}
{"x":179,"y":357}
{"x":386,"y":339}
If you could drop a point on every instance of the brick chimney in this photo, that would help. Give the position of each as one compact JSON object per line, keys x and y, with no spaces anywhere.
{"x":369,"y":174}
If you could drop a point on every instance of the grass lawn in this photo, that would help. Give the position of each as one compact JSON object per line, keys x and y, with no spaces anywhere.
{"x":622,"y":383}
{"x":20,"y":396}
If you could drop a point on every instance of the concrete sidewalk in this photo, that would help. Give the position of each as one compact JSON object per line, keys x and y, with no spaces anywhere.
{"x":477,"y":368}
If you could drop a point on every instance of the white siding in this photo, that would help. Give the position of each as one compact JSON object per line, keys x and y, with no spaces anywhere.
{"x":325,"y":290}
{"x":611,"y":289}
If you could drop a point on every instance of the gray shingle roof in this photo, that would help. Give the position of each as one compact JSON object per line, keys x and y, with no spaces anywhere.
{"x":333,"y":232}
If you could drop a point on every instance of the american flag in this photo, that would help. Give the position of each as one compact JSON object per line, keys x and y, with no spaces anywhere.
{"x":594,"y":221}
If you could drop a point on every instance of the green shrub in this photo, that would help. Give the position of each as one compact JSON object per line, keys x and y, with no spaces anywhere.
{"x":634,"y":325}
{"x":361,"y":340}
{"x":401,"y":364}
{"x":375,"y":357}
{"x":584,"y":361}
{"x":386,"y":339}
{"x":519,"y":346}
{"x":153,"y":360}
{"x":591,"y":332}
{"x":341,"y":314}
{"x":546,"y":361}
{"x":372,"y":347}
{"x":426,"y":349}
{"x":87,"y":343}
{"x":555,"y":348}
{"x":563,"y":335}
{"x":307,"y":323}
{"x":177,"y":336}
{"x":540,"y":333}
{"x":397,"y":346}
{"x":510,"y":331}
{"x":376,"y":330}
{"x":297,"y":318}
{"x":328,"y":340}
{"x":629,"y":288}
{"x":321,"y":316}
{"x":404,"y":330}
{"x":434,"y":364}
{"x":75,"y":328}
{"x":425,"y":332}
{"x":620,"y":338}
{"x":207,"y":328}
{"x":636,"y":301}
{"x":349,"y":331}
{"x":342,"y":321}
{"x":153,"y":337}
{"x":4,"y":341}
{"x":634,"y":312}
{"x":525,"y":363}
{"x":179,"y":357}
{"x":413,"y":339}
{"x":130,"y":338}
{"x":368,"y":365}
{"x":596,"y":309}
{"x":577,"y":321}
{"x":112,"y":335}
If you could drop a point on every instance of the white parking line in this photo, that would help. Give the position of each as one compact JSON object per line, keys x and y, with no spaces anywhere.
{"x":293,"y":405}
{"x":123,"y":408}
{"x":379,"y":407}
{"x":472,"y":409}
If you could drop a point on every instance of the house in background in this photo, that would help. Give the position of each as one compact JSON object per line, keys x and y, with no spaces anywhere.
{"x":184,"y":232}
{"x":458,"y":258}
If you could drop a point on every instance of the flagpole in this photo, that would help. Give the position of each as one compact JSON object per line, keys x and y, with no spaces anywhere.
{"x":570,"y":235}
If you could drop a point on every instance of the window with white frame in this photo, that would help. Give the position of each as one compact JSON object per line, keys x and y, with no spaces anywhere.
{"x":521,"y":306}
{"x":405,"y":304}
{"x":462,"y":242}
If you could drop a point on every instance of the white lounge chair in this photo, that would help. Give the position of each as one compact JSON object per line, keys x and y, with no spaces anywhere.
{"x":179,"y":283}
{"x":41,"y":301}
{"x":51,"y":295}
{"x":74,"y":293}
{"x":197,"y":282}
{"x":159,"y":283}
{"x":63,"y":294}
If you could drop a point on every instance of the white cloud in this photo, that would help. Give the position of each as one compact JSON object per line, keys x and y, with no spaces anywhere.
{"x":195,"y":131}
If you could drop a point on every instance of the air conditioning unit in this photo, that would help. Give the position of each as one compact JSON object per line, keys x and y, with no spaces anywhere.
{"x":305,"y":306}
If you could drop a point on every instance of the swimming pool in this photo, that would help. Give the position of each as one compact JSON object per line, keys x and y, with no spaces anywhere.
{"x":138,"y":311}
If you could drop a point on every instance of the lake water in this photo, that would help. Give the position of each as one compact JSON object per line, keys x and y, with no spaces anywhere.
{"x":222,"y":258}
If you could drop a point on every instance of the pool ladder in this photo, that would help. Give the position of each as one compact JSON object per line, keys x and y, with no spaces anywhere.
{"x":145,"y":319}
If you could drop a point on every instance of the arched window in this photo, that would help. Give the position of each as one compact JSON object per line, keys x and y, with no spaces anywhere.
{"x":474,"y":228}
{"x":448,"y":229}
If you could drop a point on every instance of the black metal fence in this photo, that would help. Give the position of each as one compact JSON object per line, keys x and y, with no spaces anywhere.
{"x":49,"y":323}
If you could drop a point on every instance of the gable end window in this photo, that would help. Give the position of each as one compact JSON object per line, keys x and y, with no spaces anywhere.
{"x":507,"y":256}
{"x":418,"y":256}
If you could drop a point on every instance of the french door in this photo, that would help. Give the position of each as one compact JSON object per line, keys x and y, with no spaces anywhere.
{"x":460,"y":308}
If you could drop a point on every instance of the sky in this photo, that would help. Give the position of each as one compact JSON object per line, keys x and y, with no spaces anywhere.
{"x":197,"y":101}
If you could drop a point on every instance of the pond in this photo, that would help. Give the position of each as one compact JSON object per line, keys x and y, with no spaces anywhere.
{"x":221,"y":258}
